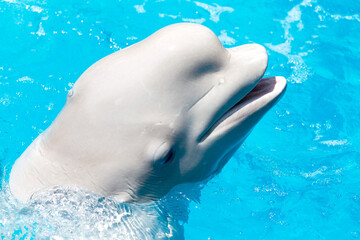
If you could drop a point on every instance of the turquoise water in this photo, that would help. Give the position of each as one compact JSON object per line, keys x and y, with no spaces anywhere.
{"x":297,"y":176}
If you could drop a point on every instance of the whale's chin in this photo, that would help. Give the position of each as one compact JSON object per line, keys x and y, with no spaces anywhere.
{"x":264,"y":95}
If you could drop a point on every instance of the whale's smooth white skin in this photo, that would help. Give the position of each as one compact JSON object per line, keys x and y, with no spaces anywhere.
{"x":170,"y":109}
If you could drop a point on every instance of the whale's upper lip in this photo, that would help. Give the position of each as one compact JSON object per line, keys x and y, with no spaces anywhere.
{"x":265,"y":93}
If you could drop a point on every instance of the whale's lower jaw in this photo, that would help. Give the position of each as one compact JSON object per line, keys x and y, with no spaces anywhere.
{"x":263,"y":96}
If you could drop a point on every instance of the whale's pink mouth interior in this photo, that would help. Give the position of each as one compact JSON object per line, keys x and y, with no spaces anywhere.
{"x":264,"y":87}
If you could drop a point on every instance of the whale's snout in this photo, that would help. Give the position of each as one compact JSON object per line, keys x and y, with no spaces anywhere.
{"x":244,"y":68}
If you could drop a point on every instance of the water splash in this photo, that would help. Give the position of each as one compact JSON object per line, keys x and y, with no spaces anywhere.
{"x":72,"y":213}
{"x":300,"y":71}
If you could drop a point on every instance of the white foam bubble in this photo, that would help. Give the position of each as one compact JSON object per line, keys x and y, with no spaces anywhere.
{"x":191,"y":20}
{"x":215,"y":10}
{"x":140,"y":8}
{"x":41,"y":31}
{"x":36,"y":9}
{"x":225,"y":39}
{"x":332,"y":143}
{"x":25,"y":79}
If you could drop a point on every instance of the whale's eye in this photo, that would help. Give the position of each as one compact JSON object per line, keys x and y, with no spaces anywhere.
{"x":164,"y":154}
{"x":169,"y":157}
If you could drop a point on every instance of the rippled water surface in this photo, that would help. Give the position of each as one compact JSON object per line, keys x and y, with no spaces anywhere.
{"x":296,"y":177}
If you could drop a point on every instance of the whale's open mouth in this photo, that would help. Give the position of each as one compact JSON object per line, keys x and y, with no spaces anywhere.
{"x":265,"y":93}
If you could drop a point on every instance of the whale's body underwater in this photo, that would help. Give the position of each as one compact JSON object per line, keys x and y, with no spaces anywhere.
{"x":170,"y":109}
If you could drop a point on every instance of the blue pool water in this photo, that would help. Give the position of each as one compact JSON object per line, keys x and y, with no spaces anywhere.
{"x":297,"y":176}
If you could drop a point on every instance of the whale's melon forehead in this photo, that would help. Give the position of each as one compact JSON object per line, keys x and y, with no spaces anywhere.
{"x":188,"y":48}
{"x":190,"y":39}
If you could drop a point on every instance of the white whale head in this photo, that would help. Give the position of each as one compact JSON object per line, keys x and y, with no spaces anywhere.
{"x":167,"y":110}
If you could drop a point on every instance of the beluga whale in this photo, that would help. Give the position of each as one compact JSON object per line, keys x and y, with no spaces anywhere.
{"x":167,"y":110}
